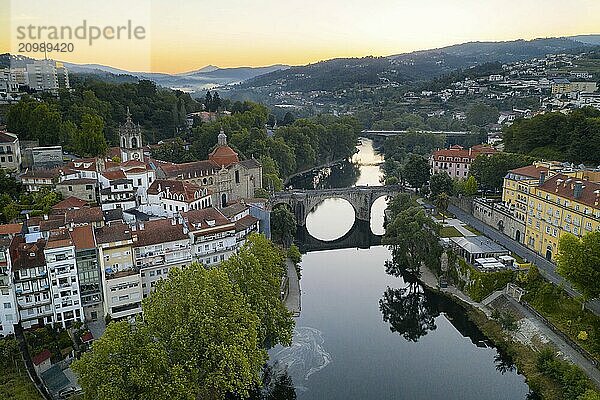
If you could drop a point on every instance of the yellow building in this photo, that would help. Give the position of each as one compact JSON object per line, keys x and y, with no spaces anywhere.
{"x":559,"y":205}
{"x":552,"y":201}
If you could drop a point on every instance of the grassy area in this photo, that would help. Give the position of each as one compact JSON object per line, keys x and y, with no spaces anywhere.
{"x":563,"y":311}
{"x":449,"y":231}
{"x":551,"y":378}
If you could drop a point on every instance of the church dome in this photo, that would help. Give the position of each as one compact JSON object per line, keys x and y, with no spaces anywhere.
{"x":223,"y":155}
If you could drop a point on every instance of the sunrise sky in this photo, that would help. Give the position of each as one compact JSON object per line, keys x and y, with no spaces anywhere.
{"x":183,"y":35}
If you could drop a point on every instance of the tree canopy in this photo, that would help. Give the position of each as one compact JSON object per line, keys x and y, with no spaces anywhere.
{"x":489,"y":170}
{"x":578,"y":261}
{"x":203,"y":334}
{"x":573,"y":137}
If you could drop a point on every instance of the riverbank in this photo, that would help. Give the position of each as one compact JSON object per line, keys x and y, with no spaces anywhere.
{"x":524,"y":343}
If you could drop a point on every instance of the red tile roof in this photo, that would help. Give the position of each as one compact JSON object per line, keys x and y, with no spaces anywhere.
{"x":10,"y":229}
{"x":460,"y":152}
{"x":115,"y":232}
{"x":158,"y":231}
{"x":195,"y":169}
{"x":530,"y":171}
{"x":223,"y":156}
{"x":84,"y":215}
{"x":27,"y":255}
{"x":203,"y":219}
{"x":564,"y":186}
{"x":41,"y":357}
{"x":7,"y":137}
{"x":83,"y":237}
{"x":69,"y":202}
{"x":190,"y":191}
{"x":59,"y":238}
{"x":114,"y":175}
{"x":245,"y":223}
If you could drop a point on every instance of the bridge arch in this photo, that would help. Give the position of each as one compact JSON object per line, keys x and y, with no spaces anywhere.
{"x":302,"y":202}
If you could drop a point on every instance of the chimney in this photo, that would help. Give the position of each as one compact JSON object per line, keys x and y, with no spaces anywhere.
{"x":578,"y":190}
{"x":542,"y":177}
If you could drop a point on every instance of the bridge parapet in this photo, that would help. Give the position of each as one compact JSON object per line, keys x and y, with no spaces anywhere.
{"x":302,"y":202}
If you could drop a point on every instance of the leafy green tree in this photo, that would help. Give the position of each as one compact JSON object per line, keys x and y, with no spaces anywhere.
{"x":283,"y":226}
{"x":578,"y":261}
{"x":294,"y":254}
{"x":90,"y":141}
{"x":490,"y":170}
{"x":271,"y":179}
{"x":481,"y":114}
{"x":440,"y":183}
{"x":441,"y":202}
{"x":417,"y":171}
{"x":199,"y":339}
{"x":258,"y":269}
{"x":470,"y":187}
{"x":413,"y":237}
{"x":288,"y":119}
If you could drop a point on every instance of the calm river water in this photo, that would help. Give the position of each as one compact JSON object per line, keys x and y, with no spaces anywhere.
{"x":363,"y":334}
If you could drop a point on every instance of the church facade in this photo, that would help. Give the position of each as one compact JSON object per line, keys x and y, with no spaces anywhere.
{"x":224,"y":175}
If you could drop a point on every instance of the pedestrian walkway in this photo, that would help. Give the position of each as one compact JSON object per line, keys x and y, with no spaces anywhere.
{"x":292,"y":300}
{"x":459,"y":226}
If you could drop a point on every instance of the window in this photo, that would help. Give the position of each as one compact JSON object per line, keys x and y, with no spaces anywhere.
{"x":7,"y":306}
{"x":70,"y":188}
{"x":237,"y":177}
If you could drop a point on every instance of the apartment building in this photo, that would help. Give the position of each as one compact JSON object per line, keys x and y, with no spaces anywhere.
{"x":121,"y":281}
{"x":64,"y":280}
{"x":561,"y":204}
{"x":88,"y":270}
{"x":213,"y":235}
{"x":32,"y":285}
{"x":160,"y":245}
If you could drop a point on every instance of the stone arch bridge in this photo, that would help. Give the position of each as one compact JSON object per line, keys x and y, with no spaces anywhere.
{"x":302,"y":202}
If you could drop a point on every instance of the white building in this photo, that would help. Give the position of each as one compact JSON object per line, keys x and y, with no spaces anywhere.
{"x":64,"y":280}
{"x":213,"y":235}
{"x":170,"y":197}
{"x":10,"y":151}
{"x":158,"y":246}
{"x":32,"y":286}
{"x":117,"y":191}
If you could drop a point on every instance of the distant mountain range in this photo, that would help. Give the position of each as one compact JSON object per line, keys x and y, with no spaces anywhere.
{"x":192,"y":81}
{"x":344,"y":72}
{"x":420,"y":65}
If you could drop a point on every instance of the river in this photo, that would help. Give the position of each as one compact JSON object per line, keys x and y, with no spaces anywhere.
{"x":363,"y":334}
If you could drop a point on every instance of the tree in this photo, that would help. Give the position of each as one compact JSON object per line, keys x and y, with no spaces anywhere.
{"x":441,"y":202}
{"x":199,"y":339}
{"x":417,"y":171}
{"x":470,"y":186}
{"x":440,"y":183}
{"x":414,"y":240}
{"x":578,"y":261}
{"x":490,"y":170}
{"x":208,"y":102}
{"x":258,"y":269}
{"x":283,"y":226}
{"x":480,"y":114}
{"x":90,"y":141}
{"x":408,"y":311}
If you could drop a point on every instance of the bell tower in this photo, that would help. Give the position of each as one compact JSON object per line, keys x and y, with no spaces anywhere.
{"x":130,"y":140}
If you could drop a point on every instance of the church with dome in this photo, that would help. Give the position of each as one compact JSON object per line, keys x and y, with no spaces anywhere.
{"x":224,"y":175}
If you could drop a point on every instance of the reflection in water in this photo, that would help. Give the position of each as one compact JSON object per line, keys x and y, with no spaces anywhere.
{"x":305,"y":357}
{"x":409,"y":311}
{"x":343,"y":174}
{"x":277,"y":385}
{"x":338,"y":210}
